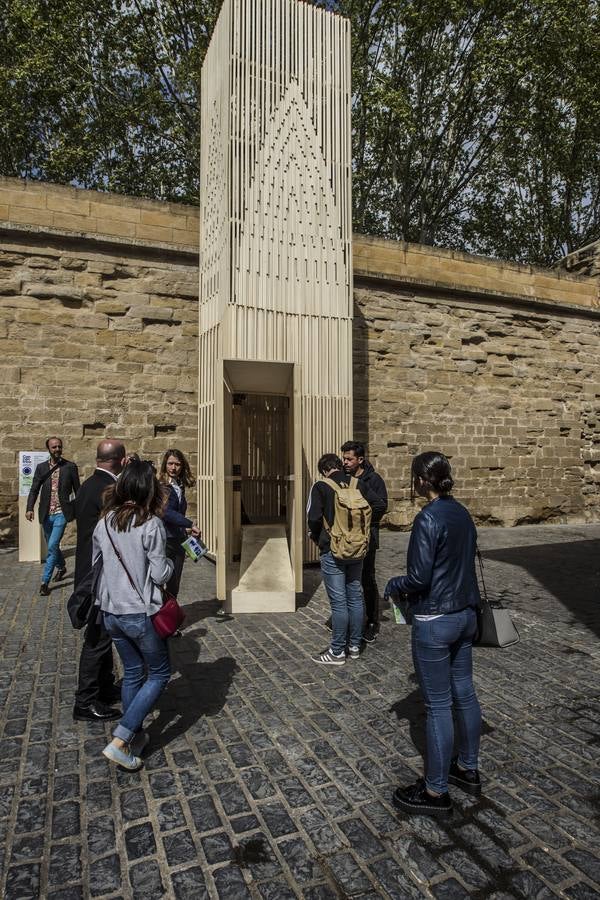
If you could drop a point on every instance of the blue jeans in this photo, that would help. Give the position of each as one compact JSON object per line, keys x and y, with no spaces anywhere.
{"x":342,"y":583}
{"x":54,"y":528}
{"x":443,"y":659}
{"x":146,"y":668}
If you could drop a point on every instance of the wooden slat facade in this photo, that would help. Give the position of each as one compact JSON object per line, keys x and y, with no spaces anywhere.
{"x":275,"y":218}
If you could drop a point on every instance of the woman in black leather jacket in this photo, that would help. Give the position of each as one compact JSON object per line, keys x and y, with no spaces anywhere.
{"x":440,"y":586}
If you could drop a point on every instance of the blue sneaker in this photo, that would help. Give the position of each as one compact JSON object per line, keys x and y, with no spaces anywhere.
{"x":124,"y":758}
{"x":139,"y":743}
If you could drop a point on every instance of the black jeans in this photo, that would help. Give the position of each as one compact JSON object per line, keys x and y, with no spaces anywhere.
{"x":176,"y":553}
{"x":96,"y":674}
{"x":369,"y":586}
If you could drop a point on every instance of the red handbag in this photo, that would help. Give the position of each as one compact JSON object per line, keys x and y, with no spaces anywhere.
{"x":169,"y":618}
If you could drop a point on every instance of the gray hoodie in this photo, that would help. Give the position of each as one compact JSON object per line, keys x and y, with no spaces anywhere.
{"x":143,"y":551}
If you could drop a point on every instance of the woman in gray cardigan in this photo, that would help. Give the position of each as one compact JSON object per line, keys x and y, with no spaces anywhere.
{"x":131,"y":538}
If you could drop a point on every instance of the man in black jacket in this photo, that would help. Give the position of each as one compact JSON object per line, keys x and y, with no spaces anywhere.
{"x":55,"y":481}
{"x":96,"y":685}
{"x":355,"y":464}
{"x":341,"y":577}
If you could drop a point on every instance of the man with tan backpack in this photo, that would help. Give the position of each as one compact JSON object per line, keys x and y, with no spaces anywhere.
{"x":339,"y":515}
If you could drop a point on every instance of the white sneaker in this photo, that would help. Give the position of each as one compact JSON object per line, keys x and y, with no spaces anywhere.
{"x":354,"y":652}
{"x":329,"y":658}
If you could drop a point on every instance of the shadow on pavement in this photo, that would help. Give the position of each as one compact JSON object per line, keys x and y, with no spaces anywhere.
{"x":201,"y":690}
{"x":568,"y":571}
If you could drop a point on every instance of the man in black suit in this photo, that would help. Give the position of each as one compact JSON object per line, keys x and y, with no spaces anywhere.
{"x":56,"y":481}
{"x":96,"y":689}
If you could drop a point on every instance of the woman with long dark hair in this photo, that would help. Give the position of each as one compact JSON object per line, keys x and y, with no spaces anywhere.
{"x":442,"y":592}
{"x":131,"y":538}
{"x":176,"y":474}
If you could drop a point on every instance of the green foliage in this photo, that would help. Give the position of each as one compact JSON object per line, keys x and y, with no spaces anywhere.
{"x":475,"y":122}
{"x":104,"y":94}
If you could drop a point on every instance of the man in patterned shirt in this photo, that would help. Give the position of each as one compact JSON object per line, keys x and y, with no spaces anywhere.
{"x":56,"y":481}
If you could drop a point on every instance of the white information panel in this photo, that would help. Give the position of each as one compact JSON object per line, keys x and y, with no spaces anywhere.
{"x":30,"y":534}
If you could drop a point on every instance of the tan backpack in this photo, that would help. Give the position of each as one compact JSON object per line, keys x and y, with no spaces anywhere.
{"x":351,"y":529}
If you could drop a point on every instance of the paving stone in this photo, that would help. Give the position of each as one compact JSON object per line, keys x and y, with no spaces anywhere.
{"x":257,"y":855}
{"x":189,"y":884}
{"x":232,"y":798}
{"x":582,"y":891}
{"x":320,"y":831}
{"x":146,"y":881}
{"x":133,"y":805}
{"x":25,"y":849}
{"x":294,"y":792}
{"x":105,"y":875}
{"x":163,"y":784}
{"x":397,"y":885}
{"x":217,"y":848}
{"x":363,"y":842}
{"x":302,"y":863}
{"x":74,"y":892}
{"x":204,"y":814}
{"x":470,"y":872}
{"x":101,"y":836}
{"x":277,"y":819}
{"x":139,"y":841}
{"x":170,"y":815}
{"x":527,"y":884}
{"x":547,"y":866}
{"x":180,"y":848}
{"x":65,"y":820}
{"x":450,"y":889}
{"x":276,"y":890}
{"x":65,"y":864}
{"x":23,"y":882}
{"x":586,"y":862}
{"x":192,"y":783}
{"x":230,"y":884}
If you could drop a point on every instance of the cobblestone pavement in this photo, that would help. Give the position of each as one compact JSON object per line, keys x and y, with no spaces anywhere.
{"x":271,"y":777}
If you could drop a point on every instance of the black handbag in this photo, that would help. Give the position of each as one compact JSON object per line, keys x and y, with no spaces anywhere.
{"x":495,"y":628}
{"x":81,"y":605}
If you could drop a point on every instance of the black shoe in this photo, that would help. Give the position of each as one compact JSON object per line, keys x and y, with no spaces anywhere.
{"x":417,"y":801}
{"x":95,"y":712}
{"x":371,"y":632}
{"x":44,"y":589}
{"x":466,"y":779}
{"x":60,"y":574}
{"x":112,"y":695}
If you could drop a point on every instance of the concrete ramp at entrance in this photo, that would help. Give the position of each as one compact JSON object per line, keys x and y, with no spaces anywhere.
{"x":266,"y":579}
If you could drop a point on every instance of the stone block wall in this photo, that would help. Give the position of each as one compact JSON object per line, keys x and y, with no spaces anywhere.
{"x":505,"y":382}
{"x":97,"y":336}
{"x":494,"y":363}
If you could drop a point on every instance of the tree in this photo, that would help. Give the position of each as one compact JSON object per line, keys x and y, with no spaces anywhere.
{"x":104,"y":95}
{"x":476,"y":123}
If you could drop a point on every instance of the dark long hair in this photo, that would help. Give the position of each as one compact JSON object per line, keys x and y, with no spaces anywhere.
{"x":186,"y":477}
{"x":135,"y":497}
{"x":435,"y":470}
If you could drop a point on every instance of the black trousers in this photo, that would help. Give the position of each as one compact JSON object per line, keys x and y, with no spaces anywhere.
{"x":96,"y":673}
{"x":177,"y":555}
{"x":369,"y":586}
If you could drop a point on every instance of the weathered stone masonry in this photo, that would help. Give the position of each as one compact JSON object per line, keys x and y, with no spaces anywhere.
{"x":494,"y":363}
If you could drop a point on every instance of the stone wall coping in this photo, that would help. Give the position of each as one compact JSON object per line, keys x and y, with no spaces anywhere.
{"x":105,"y":241}
{"x":162,"y":228}
{"x":421,"y":268}
{"x":80,"y":193}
